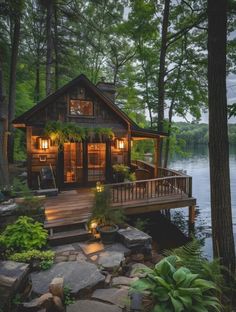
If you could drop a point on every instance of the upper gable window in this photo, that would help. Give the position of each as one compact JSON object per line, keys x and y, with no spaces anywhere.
{"x":81,"y":108}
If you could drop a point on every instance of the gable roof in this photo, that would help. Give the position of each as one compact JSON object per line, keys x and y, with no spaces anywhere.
{"x":22,"y":119}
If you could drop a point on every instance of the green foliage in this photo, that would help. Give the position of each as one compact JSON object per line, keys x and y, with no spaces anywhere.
{"x":132,"y":177}
{"x":122,"y":169}
{"x":30,"y":206}
{"x":46,"y":264}
{"x":191,"y":256}
{"x":142,"y":224}
{"x":62,"y":132}
{"x":175,"y":288}
{"x":34,"y":254}
{"x":24,"y":235}
{"x":232,"y":110}
{"x":102,"y":211}
{"x":68,"y":299}
{"x":19,"y":145}
{"x":16,"y":300}
{"x":21,"y":189}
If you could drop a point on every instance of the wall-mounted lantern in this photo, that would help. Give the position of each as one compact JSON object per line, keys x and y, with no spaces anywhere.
{"x":43,"y":143}
{"x":120,"y":144}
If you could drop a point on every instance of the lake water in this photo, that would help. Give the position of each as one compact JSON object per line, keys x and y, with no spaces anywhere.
{"x":197,"y":166}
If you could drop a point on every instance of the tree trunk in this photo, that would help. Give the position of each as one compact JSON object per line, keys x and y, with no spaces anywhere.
{"x":161,"y":77}
{"x":4,"y":175}
{"x":222,"y":229}
{"x":49,"y":47}
{"x":56,"y":48}
{"x":12,"y":85}
{"x":172,"y":105}
{"x":37,"y":81}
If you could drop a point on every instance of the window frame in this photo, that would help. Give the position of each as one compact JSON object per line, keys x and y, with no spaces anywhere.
{"x":82,"y":115}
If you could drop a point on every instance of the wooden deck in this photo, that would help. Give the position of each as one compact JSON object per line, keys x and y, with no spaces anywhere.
{"x":74,"y":207}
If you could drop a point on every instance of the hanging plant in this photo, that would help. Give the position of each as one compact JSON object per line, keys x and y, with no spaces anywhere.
{"x":63,"y":132}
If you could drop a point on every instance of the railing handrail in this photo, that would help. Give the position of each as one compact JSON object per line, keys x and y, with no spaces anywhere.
{"x":147,"y":164}
{"x":178,"y":173}
{"x":147,"y":180}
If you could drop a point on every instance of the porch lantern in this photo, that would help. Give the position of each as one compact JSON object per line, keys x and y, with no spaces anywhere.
{"x":120,"y":144}
{"x":43,"y":143}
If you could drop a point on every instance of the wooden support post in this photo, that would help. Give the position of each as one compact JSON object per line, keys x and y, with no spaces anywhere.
{"x":129,"y":145}
{"x":156,"y":155}
{"x":29,"y":156}
{"x":191,"y":219}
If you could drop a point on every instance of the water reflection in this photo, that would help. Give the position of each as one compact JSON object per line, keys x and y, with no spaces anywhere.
{"x":196,"y":165}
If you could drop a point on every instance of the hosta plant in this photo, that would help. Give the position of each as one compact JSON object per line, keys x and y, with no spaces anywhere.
{"x":174,"y":288}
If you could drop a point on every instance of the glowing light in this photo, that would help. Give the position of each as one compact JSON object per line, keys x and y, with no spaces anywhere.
{"x":43,"y":143}
{"x":120,"y":144}
{"x":99,"y":187}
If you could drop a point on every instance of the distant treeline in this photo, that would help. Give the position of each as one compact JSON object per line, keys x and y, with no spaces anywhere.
{"x":193,"y":133}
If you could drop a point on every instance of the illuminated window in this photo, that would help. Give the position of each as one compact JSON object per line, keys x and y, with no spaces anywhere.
{"x":81,"y":108}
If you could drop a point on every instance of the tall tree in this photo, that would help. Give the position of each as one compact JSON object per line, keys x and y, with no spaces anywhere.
{"x":15,"y":11}
{"x":222,"y":229}
{"x":4,"y":176}
{"x":49,"y":60}
{"x":162,"y":70}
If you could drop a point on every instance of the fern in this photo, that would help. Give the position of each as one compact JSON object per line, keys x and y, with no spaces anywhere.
{"x":191,"y":256}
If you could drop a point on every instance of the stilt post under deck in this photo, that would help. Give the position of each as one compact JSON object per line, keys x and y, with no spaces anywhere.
{"x":191,"y":209}
{"x":191,"y":221}
{"x":156,"y":155}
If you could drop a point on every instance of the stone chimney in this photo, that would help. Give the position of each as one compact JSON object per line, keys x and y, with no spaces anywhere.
{"x":107,"y":88}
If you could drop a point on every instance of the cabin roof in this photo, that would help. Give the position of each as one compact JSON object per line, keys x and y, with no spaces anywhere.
{"x":135,"y":129}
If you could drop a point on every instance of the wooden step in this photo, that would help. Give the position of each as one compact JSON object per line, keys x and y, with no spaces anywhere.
{"x":69,"y":237}
{"x":64,"y":222}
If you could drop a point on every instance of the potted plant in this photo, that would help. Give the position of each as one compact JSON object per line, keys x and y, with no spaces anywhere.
{"x":120,"y":172}
{"x":106,"y":218}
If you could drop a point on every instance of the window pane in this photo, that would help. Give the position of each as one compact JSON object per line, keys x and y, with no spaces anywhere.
{"x":81,"y":108}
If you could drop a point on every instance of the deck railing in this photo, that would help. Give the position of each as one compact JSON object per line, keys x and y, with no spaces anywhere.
{"x":162,"y":172}
{"x":172,"y":186}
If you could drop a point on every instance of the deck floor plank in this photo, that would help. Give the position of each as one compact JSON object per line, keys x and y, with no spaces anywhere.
{"x":71,"y":207}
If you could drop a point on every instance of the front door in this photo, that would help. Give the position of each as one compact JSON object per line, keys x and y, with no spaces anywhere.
{"x":73,"y":163}
{"x":96,"y":162}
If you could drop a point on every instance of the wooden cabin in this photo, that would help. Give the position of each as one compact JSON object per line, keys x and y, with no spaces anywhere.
{"x":82,"y":163}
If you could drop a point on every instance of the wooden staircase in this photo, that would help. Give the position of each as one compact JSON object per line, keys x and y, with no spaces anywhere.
{"x":67,"y":215}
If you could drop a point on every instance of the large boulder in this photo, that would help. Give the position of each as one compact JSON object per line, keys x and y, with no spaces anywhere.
{"x":91,"y":305}
{"x":13,"y":278}
{"x":78,"y":275}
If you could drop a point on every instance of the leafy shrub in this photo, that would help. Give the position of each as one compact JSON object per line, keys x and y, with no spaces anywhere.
{"x":34,"y":254}
{"x":20,"y":188}
{"x":102,"y":211}
{"x":174,"y":288}
{"x":46,"y":264}
{"x":24,"y":235}
{"x":30,"y":206}
{"x":120,"y":168}
{"x":68,"y":299}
